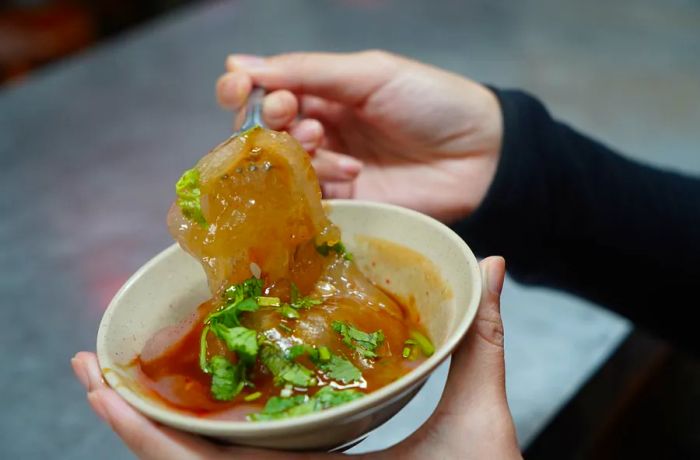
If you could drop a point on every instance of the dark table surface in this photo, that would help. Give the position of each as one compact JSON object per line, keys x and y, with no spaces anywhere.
{"x":90,"y":149}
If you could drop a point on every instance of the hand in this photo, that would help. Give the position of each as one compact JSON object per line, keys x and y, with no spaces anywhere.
{"x":380,"y":127}
{"x":472,"y":420}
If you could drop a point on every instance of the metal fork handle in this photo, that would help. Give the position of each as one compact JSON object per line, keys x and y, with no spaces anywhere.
{"x":250,"y":115}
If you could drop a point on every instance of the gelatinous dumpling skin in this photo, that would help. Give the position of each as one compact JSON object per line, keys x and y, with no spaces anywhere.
{"x":261,"y":201}
{"x":263,"y":218}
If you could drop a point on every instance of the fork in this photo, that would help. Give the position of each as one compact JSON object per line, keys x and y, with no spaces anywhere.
{"x":250,"y":115}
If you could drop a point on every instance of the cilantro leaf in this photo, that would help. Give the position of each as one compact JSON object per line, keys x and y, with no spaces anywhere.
{"x":226,"y":325}
{"x":362,"y":342}
{"x":188,"y":196}
{"x":340,"y":369}
{"x":296,"y":300}
{"x":240,"y":339}
{"x":338,"y":248}
{"x":297,"y":375}
{"x":227,"y":379}
{"x":284,"y":370}
{"x":305,"y":302}
{"x":278,"y":408}
{"x":330,"y":397}
{"x":239,"y":298}
{"x":295,"y":351}
{"x":335,"y":367}
{"x":252,"y":287}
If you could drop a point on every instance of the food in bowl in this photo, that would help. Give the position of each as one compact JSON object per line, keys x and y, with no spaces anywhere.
{"x":293,"y":326}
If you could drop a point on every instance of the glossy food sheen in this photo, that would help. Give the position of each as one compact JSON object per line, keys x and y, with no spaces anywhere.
{"x":262,"y":204}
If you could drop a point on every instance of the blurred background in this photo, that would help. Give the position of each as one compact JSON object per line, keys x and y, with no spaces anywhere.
{"x":34,"y":33}
{"x":103,"y":103}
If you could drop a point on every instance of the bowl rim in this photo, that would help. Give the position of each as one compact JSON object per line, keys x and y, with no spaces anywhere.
{"x":390,"y":392}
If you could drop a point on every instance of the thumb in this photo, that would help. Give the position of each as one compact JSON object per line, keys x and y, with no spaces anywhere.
{"x":476,"y":383}
{"x":348,"y":78}
{"x":473,"y":419}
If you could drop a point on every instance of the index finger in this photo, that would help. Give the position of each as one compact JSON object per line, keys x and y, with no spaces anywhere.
{"x":349,"y":78}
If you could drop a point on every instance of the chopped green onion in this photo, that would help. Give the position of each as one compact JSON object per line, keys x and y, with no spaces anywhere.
{"x":408,"y":347}
{"x":286,"y":392}
{"x":289,"y":312}
{"x":285,"y":328}
{"x":203,"y":364}
{"x":252,"y":396}
{"x":423,"y":343}
{"x":324,"y":354}
{"x":268,"y":301}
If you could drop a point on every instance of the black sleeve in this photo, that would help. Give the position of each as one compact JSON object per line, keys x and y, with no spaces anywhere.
{"x":569,"y":213}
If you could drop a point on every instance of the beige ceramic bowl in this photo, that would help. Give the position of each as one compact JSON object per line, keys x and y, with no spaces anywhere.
{"x":439,"y":271}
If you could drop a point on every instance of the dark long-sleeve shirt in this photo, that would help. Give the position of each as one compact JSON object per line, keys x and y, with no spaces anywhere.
{"x":568,"y":212}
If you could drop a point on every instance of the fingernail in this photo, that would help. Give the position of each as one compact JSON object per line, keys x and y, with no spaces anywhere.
{"x":98,"y":407}
{"x":349,"y":165}
{"x":308,"y":146}
{"x":80,"y":372}
{"x":228,"y":84}
{"x":494,"y":278}
{"x":94,"y":375}
{"x":309,"y":133}
{"x":246,"y":61}
{"x":273,"y":108}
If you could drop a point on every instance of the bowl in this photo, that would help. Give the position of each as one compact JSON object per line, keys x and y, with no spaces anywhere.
{"x":410,"y":254}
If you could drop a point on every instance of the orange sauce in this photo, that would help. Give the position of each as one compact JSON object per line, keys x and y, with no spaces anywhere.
{"x":176,"y":378}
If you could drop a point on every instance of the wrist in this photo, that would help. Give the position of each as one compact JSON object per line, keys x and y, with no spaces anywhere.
{"x":483,"y":140}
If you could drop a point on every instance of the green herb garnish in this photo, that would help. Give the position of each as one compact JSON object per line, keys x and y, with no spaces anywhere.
{"x":426,"y":347}
{"x":338,"y":248}
{"x":268,"y":301}
{"x":335,"y":367}
{"x":295,"y":351}
{"x":252,"y":396}
{"x":278,"y":408}
{"x":251,"y":287}
{"x":288,"y":311}
{"x":240,"y":339}
{"x":340,"y":369}
{"x":188,"y":196}
{"x":324,"y":354}
{"x":285,"y":370}
{"x":238,"y":298}
{"x":227,"y":379}
{"x":305,"y":302}
{"x":296,"y":302}
{"x":362,"y":342}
